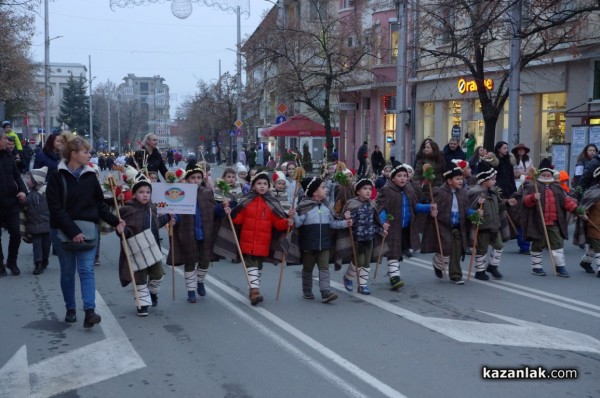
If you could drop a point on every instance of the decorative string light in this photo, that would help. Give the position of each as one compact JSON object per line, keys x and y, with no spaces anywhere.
{"x":182,"y":9}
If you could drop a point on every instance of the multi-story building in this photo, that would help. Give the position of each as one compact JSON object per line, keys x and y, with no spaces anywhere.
{"x":153,"y":99}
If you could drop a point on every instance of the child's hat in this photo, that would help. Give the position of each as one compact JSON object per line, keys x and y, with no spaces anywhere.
{"x":278,"y":175}
{"x":239,"y":167}
{"x":39,"y":175}
{"x":263,"y":175}
{"x":194,"y":170}
{"x":310,"y":185}
{"x":409,"y":169}
{"x":139,"y":181}
{"x":361,"y":183}
{"x":596,"y":173}
{"x":463,"y":164}
{"x":485,"y":171}
{"x":130,"y":174}
{"x":546,"y":165}
{"x":398,"y":168}
{"x":452,"y":171}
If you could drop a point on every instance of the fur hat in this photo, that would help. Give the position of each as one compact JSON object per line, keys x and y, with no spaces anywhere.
{"x":239,"y":168}
{"x":452,"y":171}
{"x":310,"y":185}
{"x":484,"y":172}
{"x":39,"y":175}
{"x":263,"y":175}
{"x":546,"y":165}
{"x":278,"y":175}
{"x":194,"y":170}
{"x":129,"y":174}
{"x":400,"y":167}
{"x":463,"y":164}
{"x":409,"y":169}
{"x":361,"y":183}
{"x":139,"y":181}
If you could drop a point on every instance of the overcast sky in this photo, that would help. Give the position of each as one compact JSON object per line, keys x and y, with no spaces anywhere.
{"x":146,"y":40}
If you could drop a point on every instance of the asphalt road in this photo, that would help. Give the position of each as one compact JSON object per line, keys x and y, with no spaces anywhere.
{"x":430,"y":339}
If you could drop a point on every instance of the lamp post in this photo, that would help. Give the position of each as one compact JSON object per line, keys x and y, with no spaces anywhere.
{"x":91,"y":111}
{"x":401,"y":110}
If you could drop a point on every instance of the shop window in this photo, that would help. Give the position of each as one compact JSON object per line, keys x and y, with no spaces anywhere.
{"x":454,"y":116}
{"x":428,"y":119}
{"x":553,"y":120}
{"x":596,"y":93}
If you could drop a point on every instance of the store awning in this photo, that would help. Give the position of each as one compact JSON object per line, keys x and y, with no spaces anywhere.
{"x":298,"y":126}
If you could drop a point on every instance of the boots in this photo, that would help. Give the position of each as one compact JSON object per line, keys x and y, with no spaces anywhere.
{"x":494,"y":262}
{"x":307,"y":285}
{"x":363,"y":277}
{"x":91,"y":318}
{"x":71,"y":316}
{"x":482,"y":276}
{"x":255,"y":296}
{"x":12,"y":266}
{"x":38,"y":268}
{"x":2,"y":270}
{"x":493,"y":269}
{"x":45,"y":264}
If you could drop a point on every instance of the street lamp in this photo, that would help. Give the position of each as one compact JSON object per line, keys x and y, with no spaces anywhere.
{"x":47,"y":39}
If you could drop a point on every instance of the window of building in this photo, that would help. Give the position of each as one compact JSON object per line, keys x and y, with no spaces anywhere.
{"x":317,"y":10}
{"x":428,"y":119}
{"x":144,"y":87}
{"x":160,"y":122}
{"x":159,"y":100}
{"x":160,"y":131}
{"x":454,"y":116}
{"x":394,"y":42}
{"x":159,"y":91}
{"x":128,"y":90}
{"x":347,"y":3}
{"x":389,"y":119}
{"x":596,"y":91}
{"x":553,"y":120}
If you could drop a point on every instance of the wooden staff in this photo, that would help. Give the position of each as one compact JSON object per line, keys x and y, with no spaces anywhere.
{"x":474,"y":246}
{"x":379,"y":257}
{"x":237,"y":243}
{"x":512,"y":224}
{"x":298,"y":175}
{"x":437,"y":229}
{"x":593,"y":225}
{"x":172,"y":243}
{"x":541,"y":211}
{"x":113,"y":184}
{"x":353,"y":246}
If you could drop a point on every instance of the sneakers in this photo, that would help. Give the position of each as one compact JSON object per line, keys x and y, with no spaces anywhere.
{"x":587,"y":267}
{"x":364,"y":290}
{"x":13,"y":269}
{"x":457,"y":280}
{"x":97,"y":262}
{"x":482,"y":276}
{"x":154,"y":298}
{"x":327,"y":296}
{"x":91,"y":318}
{"x":38,"y":269}
{"x":2,"y":270}
{"x":308,"y":294}
{"x":493,"y":269}
{"x":438,"y":272}
{"x":71,"y":316}
{"x":201,"y":290}
{"x":396,"y":283}
{"x":561,"y":271}
{"x":142,"y":311}
{"x":191,"y":296}
{"x":348,"y":284}
{"x":538,"y":271}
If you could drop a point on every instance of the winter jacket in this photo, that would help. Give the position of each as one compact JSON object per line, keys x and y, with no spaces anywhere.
{"x":154,"y":161}
{"x":532,"y":227}
{"x":505,"y":179}
{"x":85,"y":200}
{"x":50,"y":160}
{"x":314,"y":220}
{"x":257,"y":221}
{"x":38,"y":214}
{"x":492,"y":207}
{"x":10,"y":181}
{"x":449,"y":154}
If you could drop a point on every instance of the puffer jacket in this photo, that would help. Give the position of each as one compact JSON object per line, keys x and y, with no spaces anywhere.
{"x":10,"y":181}
{"x":314,"y":227}
{"x":38,"y":214}
{"x":257,"y":221}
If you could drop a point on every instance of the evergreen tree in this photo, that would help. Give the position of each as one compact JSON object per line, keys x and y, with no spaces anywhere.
{"x":74,"y":108}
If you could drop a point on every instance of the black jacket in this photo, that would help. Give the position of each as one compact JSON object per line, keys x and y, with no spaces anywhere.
{"x":154,"y":162}
{"x":10,"y":180}
{"x":85,"y":200}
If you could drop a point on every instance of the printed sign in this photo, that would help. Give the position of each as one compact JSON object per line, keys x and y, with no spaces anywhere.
{"x":560,"y":156}
{"x":595,"y":135}
{"x":579,"y":138}
{"x":174,"y":198}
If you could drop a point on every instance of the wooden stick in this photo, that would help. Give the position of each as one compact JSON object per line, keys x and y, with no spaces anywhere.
{"x":593,"y":225}
{"x":172,"y":243}
{"x":541,"y":211}
{"x":283,"y":263}
{"x":113,"y":183}
{"x":353,"y":247}
{"x":474,"y":247}
{"x":437,"y":230}
{"x":512,"y":224}
{"x":379,"y":257}
{"x":237,"y":243}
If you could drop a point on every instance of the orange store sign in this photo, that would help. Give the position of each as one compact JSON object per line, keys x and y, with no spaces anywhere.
{"x":469,"y":86}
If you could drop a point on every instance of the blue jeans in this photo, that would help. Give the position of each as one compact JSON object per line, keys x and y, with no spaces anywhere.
{"x":524,"y":245}
{"x":83,"y":262}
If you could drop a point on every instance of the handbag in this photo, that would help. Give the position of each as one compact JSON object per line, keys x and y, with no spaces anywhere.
{"x":143,"y":250}
{"x":88,"y":229}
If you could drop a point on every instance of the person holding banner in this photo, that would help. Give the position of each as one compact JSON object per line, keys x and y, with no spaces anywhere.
{"x":140,"y":215}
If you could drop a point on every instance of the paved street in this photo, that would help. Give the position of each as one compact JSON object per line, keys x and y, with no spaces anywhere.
{"x":429,"y":339}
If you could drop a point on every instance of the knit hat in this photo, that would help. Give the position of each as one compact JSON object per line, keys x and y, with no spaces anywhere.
{"x":196,"y":169}
{"x":278,"y":175}
{"x":239,"y":167}
{"x":484,"y":172}
{"x":6,"y":123}
{"x":361,"y":183}
{"x":452,"y":171}
{"x":139,"y":181}
{"x":310,"y":185}
{"x":463,"y":164}
{"x":400,"y":167}
{"x":263,"y":175}
{"x":39,"y":175}
{"x":409,"y":169}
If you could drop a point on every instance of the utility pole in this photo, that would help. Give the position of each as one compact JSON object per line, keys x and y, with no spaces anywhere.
{"x":109,"y":145}
{"x":239,"y":73}
{"x":119,"y":123}
{"x":401,"y":110}
{"x":515,"y":76}
{"x":91,"y":111}
{"x":47,"y":125}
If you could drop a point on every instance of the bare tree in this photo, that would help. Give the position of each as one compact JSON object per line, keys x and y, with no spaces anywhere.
{"x":475,"y":35}
{"x":315,"y":57}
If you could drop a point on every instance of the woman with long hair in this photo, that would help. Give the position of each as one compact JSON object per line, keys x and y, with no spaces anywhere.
{"x":589,"y":152}
{"x":430,"y":154}
{"x":505,"y":178}
{"x":522,"y":162}
{"x":49,"y":156}
{"x":149,"y":156}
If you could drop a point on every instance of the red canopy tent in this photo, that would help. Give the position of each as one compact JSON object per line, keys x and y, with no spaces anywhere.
{"x":298,"y":126}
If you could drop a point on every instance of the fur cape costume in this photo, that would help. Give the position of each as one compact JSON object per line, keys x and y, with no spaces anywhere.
{"x":590,"y":197}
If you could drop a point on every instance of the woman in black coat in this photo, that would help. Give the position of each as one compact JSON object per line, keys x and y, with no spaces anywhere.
{"x":149,"y":156}
{"x":505,"y":179}
{"x":49,"y":156}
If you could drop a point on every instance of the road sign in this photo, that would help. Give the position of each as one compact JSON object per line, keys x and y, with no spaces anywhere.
{"x":456,"y":131}
{"x":347,"y":106}
{"x":280,"y":119}
{"x":32,"y":140}
{"x":232,"y":133}
{"x":282,"y":108}
{"x":238,"y":123}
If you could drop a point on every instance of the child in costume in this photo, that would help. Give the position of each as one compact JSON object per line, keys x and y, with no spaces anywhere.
{"x":365,"y":225}
{"x":397,"y":204}
{"x":314,"y":219}
{"x":37,"y":218}
{"x":279,"y":189}
{"x":140,"y":214}
{"x":258,"y":213}
{"x":489,"y":233}
{"x":452,"y":211}
{"x":591,"y":203}
{"x":555,"y":205}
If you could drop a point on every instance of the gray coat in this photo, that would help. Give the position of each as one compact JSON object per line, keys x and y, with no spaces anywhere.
{"x":38,"y":215}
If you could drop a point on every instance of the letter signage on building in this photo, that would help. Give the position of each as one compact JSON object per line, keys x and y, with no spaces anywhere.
{"x":470,"y":86}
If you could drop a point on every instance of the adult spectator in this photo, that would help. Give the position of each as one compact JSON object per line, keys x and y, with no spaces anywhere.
{"x":148,"y":156}
{"x":7,"y":127}
{"x":585,"y":157}
{"x":384,"y":177}
{"x":84,"y":201}
{"x":27,"y":156}
{"x":394,"y":154}
{"x":522,"y":162}
{"x":170,"y":158}
{"x":12,"y":192}
{"x":243,"y":158}
{"x":453,"y":151}
{"x":505,"y":178}
{"x":469,"y":144}
{"x":260,"y":156}
{"x":477,"y":157}
{"x":363,"y":154}
{"x":377,"y":160}
{"x":430,"y":154}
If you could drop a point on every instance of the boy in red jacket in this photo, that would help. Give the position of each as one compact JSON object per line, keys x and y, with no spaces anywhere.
{"x":258,"y":212}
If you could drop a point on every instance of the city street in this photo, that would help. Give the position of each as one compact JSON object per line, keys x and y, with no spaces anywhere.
{"x":430,"y":339}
